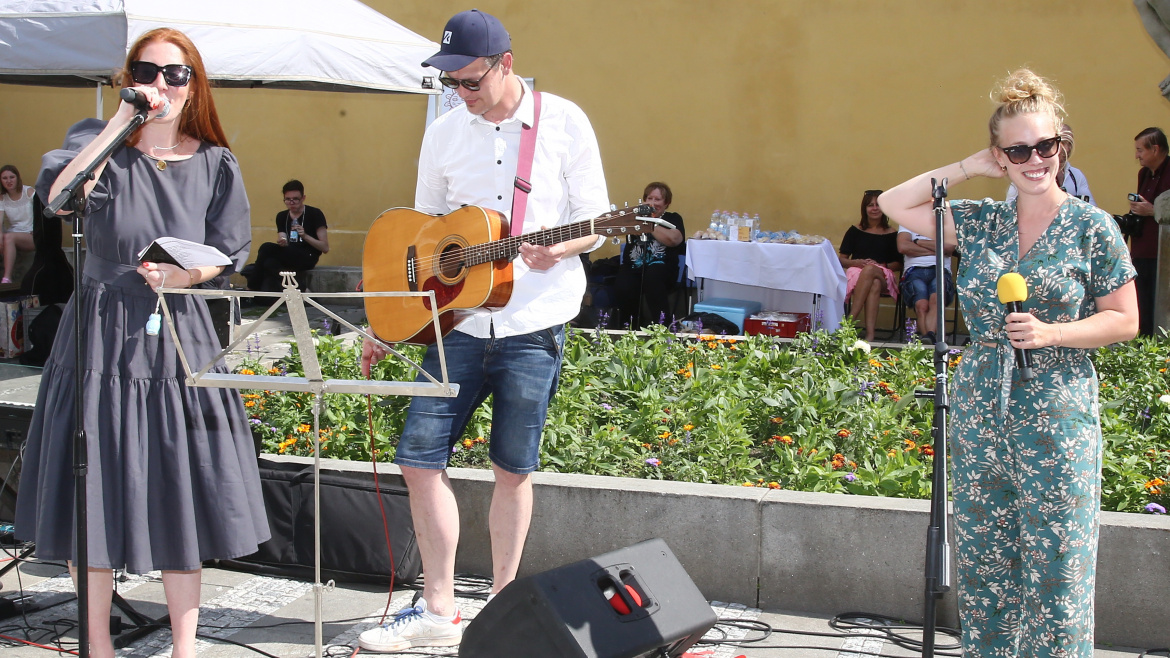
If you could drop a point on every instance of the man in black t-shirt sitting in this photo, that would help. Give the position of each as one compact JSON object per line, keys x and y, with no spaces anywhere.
{"x":301,"y":238}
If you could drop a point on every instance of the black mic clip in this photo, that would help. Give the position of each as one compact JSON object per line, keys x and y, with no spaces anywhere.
{"x":938,"y":189}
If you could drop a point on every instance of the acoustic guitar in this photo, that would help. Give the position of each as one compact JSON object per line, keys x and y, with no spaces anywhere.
{"x":465,"y":257}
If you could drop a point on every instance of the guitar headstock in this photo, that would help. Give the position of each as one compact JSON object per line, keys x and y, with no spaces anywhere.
{"x":627,"y":221}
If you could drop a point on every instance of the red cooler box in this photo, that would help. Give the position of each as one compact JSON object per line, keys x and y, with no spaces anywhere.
{"x":783,"y":325}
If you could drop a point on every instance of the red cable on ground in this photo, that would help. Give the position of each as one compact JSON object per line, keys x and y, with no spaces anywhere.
{"x":34,"y":644}
{"x":378,"y":493}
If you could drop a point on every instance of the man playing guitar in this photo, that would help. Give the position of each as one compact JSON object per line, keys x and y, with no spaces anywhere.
{"x":470,"y":156}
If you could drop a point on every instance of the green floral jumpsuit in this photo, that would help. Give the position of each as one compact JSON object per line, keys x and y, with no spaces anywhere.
{"x":1026,"y":456}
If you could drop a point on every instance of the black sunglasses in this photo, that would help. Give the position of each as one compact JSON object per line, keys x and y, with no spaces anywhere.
{"x":175,"y":75}
{"x":873,"y":192}
{"x":1021,"y":153}
{"x":469,"y":85}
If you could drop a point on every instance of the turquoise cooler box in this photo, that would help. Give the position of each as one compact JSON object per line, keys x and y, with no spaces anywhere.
{"x":732,"y":310}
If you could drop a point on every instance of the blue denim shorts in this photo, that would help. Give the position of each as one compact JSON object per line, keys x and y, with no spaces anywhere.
{"x":520,"y":372}
{"x":918,"y":284}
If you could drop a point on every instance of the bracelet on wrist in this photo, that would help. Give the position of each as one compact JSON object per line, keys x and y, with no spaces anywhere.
{"x":966,"y":176}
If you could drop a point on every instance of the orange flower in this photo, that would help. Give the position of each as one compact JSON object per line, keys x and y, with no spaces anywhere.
{"x":716,"y":366}
{"x":664,"y":435}
{"x":687,"y":428}
{"x":910,"y":445}
{"x":843,"y":433}
{"x":777,"y":419}
{"x":786,"y":440}
{"x":467,"y":443}
{"x":304,"y":428}
{"x":926,"y":450}
{"x":250,"y":403}
{"x":246,"y":371}
{"x":773,"y":485}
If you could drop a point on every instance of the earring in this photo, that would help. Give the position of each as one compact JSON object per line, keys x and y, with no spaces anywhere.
{"x":1003,"y":167}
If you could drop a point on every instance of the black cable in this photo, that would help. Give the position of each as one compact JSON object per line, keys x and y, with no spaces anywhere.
{"x":212,"y":638}
{"x":886,"y":627}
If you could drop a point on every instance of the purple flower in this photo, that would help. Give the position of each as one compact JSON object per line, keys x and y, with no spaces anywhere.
{"x":255,"y":421}
{"x":455,"y":448}
{"x":653,"y":461}
{"x":606,"y":406}
{"x":849,"y":477}
{"x":325,"y":326}
{"x":1155,"y":508}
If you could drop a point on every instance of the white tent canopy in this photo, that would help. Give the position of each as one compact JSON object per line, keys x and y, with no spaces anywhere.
{"x":333,"y":45}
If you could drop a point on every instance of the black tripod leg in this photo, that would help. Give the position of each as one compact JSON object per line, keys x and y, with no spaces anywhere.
{"x":140,"y":624}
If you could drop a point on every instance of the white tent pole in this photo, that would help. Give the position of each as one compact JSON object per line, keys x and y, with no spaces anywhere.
{"x":98,"y":112}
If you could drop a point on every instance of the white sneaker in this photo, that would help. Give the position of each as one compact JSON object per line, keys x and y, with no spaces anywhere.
{"x":413,"y":627}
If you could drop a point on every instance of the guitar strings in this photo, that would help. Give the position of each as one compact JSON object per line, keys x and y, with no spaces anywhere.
{"x":490,"y":251}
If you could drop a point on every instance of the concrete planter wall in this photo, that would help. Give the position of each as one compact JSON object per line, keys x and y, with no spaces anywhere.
{"x":782,"y":550}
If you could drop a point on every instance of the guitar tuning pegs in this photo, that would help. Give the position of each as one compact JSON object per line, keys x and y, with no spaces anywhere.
{"x":613,"y":206}
{"x":642,"y":237}
{"x":626,"y":204}
{"x":616,"y":240}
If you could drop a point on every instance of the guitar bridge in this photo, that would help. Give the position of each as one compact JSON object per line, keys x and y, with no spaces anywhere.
{"x":411,"y":269}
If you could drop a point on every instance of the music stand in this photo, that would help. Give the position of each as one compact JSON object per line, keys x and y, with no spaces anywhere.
{"x":313,"y":382}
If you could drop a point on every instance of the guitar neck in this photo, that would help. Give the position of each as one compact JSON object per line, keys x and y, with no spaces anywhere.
{"x":508,"y":248}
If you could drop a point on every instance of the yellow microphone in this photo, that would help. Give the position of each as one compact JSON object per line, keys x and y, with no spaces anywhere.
{"x":1012,"y":290}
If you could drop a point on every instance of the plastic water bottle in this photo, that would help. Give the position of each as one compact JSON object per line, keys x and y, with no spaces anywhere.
{"x":713,"y":227}
{"x":755,"y":226}
{"x":724,"y":222}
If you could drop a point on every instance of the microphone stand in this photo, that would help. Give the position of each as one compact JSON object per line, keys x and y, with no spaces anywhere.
{"x":72,"y":198}
{"x":938,"y":553}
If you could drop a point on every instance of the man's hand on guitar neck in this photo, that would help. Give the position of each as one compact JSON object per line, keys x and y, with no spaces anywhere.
{"x":541,"y":258}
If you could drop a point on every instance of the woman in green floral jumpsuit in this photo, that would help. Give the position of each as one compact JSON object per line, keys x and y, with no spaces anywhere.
{"x":1026,"y":455}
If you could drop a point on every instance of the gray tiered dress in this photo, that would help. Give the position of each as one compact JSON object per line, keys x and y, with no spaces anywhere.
{"x":173,"y":478}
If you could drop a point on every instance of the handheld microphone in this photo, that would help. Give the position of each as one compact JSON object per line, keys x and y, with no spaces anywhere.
{"x":139,"y":100}
{"x":1012,"y":290}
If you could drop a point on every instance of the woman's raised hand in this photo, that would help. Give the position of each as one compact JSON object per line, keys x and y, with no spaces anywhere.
{"x":982,"y":163}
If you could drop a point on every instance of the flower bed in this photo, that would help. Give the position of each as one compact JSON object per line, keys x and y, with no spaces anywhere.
{"x":822,"y":413}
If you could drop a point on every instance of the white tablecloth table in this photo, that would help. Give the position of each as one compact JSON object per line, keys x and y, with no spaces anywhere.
{"x":782,"y":277}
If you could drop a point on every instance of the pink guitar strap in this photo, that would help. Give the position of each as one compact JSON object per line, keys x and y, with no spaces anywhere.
{"x":524,"y":168}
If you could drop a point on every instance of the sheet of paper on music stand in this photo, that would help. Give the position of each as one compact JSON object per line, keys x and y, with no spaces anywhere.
{"x":184,"y":253}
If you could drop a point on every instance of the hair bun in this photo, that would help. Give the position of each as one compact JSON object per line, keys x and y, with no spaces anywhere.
{"x":1022,"y":85}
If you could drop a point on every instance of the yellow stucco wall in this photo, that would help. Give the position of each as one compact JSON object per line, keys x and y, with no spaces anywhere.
{"x":788,"y":108}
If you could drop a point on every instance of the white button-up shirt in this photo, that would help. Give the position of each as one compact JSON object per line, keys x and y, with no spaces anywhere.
{"x":467,"y":160}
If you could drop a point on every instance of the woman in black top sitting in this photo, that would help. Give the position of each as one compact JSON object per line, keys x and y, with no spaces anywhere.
{"x":649,"y":269}
{"x":869,"y":254}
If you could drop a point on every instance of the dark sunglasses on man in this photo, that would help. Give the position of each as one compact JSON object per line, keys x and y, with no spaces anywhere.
{"x":1021,"y":153}
{"x":175,"y":75}
{"x":469,"y":85}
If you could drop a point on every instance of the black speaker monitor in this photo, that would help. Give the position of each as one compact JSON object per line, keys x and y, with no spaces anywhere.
{"x":633,"y":602}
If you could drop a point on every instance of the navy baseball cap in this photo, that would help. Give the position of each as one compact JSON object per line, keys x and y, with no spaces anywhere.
{"x":468,"y":36}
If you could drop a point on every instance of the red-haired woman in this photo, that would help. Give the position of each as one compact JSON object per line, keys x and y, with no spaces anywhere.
{"x":173,"y":479}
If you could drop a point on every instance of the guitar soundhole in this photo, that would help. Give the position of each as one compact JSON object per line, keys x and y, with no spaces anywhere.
{"x":450,"y":266}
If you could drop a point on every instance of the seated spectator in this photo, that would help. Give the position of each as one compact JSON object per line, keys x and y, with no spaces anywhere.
{"x":301,"y":238}
{"x":1071,"y":179}
{"x":869,"y":254}
{"x":649,"y":269}
{"x":919,"y":285}
{"x":16,"y":205}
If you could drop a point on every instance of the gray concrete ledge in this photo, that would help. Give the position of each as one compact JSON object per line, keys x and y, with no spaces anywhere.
{"x":784,"y":550}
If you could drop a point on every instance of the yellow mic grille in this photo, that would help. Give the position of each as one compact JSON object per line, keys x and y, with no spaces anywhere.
{"x":1011,"y":288}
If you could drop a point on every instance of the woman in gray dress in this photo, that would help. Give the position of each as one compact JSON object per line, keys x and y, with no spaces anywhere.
{"x":173,"y":477}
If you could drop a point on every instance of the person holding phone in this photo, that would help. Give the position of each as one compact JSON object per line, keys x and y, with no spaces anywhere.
{"x":302,"y":235}
{"x":1150,"y":149}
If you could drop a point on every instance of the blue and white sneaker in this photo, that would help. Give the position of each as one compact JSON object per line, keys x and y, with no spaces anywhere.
{"x":413,"y":627}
